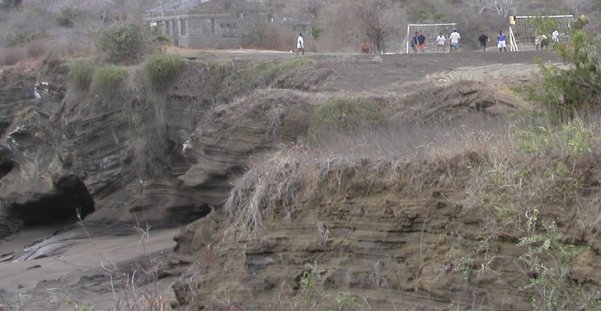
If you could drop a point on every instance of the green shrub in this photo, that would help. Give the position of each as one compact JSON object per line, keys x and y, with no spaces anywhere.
{"x":550,"y":260}
{"x":162,"y":70}
{"x":108,"y":79}
{"x":577,"y":137}
{"x":311,"y":295}
{"x":264,"y":73}
{"x":22,"y":38}
{"x":567,"y":89}
{"x":65,"y":17}
{"x":123,"y":43}
{"x":544,"y":25}
{"x":81,"y":74}
{"x":533,"y":139}
{"x":418,"y":12}
{"x":344,"y":115}
{"x":574,"y":138}
{"x":253,"y":36}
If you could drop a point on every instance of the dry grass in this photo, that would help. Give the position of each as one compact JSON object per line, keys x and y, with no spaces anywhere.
{"x":272,"y":185}
{"x":11,"y":56}
{"x":41,"y":49}
{"x":37,"y":49}
{"x":497,"y":183}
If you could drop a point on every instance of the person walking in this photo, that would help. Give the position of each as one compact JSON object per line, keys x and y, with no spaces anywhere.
{"x":541,"y":42}
{"x":555,"y":36}
{"x":455,"y":37}
{"x":365,"y":47}
{"x":483,"y":41}
{"x":300,"y":44}
{"x":502,"y":42}
{"x":441,"y":42}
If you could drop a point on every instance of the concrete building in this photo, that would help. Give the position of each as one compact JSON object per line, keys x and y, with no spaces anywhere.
{"x":206,"y":23}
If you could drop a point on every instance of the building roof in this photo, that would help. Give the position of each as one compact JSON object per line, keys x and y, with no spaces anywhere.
{"x":206,"y":5}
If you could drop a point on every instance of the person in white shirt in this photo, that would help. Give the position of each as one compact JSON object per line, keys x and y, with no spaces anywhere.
{"x":454,"y":38}
{"x":300,"y":44}
{"x":440,"y":42}
{"x":555,"y":36}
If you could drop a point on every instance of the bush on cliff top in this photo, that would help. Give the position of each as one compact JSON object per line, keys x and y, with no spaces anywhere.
{"x":574,"y":87}
{"x":264,"y":73}
{"x":108,"y":79}
{"x":81,"y":74}
{"x":162,"y":70}
{"x":344,"y":115}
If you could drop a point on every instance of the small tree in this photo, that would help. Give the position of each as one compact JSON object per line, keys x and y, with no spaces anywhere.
{"x":501,"y":7}
{"x":352,"y":21}
{"x":376,"y":19}
{"x":123,"y":43}
{"x":577,"y":86}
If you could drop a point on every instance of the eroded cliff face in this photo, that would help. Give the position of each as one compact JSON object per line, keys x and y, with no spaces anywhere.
{"x":169,"y":159}
{"x":395,"y":235}
{"x":135,"y":155}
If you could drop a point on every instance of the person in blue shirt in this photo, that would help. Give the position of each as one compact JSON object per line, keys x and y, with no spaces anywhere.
{"x":502,"y":42}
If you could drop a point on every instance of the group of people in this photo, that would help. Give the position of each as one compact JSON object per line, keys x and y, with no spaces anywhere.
{"x":542,"y":42}
{"x":418,"y":42}
{"x":501,"y":42}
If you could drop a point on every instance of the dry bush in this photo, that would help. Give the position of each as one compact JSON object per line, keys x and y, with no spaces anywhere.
{"x":11,"y":56}
{"x":347,"y":23}
{"x":37,"y":49}
{"x":545,"y":167}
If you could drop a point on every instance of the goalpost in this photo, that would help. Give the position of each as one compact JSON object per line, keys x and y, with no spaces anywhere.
{"x":523,"y":30}
{"x":430,"y":31}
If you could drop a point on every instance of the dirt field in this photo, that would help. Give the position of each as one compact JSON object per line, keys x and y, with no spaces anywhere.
{"x":74,"y":267}
{"x":393,"y":72}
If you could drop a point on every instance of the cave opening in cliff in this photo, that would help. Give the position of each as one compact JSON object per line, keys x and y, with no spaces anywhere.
{"x":5,"y":168}
{"x":71,"y":202}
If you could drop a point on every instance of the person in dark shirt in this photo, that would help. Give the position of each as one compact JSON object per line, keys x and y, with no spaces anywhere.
{"x":483,"y":41}
{"x":414,"y":42}
{"x":421,"y":40}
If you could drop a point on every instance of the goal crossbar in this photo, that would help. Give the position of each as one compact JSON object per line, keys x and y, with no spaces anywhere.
{"x":544,"y":16}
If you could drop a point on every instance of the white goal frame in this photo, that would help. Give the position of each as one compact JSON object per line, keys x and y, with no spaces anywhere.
{"x":514,"y":44}
{"x":429,"y":40}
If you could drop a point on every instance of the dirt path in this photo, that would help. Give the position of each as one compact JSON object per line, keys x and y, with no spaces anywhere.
{"x":360,"y":72}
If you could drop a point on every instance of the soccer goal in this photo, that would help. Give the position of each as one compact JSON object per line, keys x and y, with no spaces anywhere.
{"x":430,"y":31}
{"x":523,"y":30}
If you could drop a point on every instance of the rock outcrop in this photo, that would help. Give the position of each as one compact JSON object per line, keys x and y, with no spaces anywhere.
{"x":135,"y":155}
{"x":390,"y":235}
